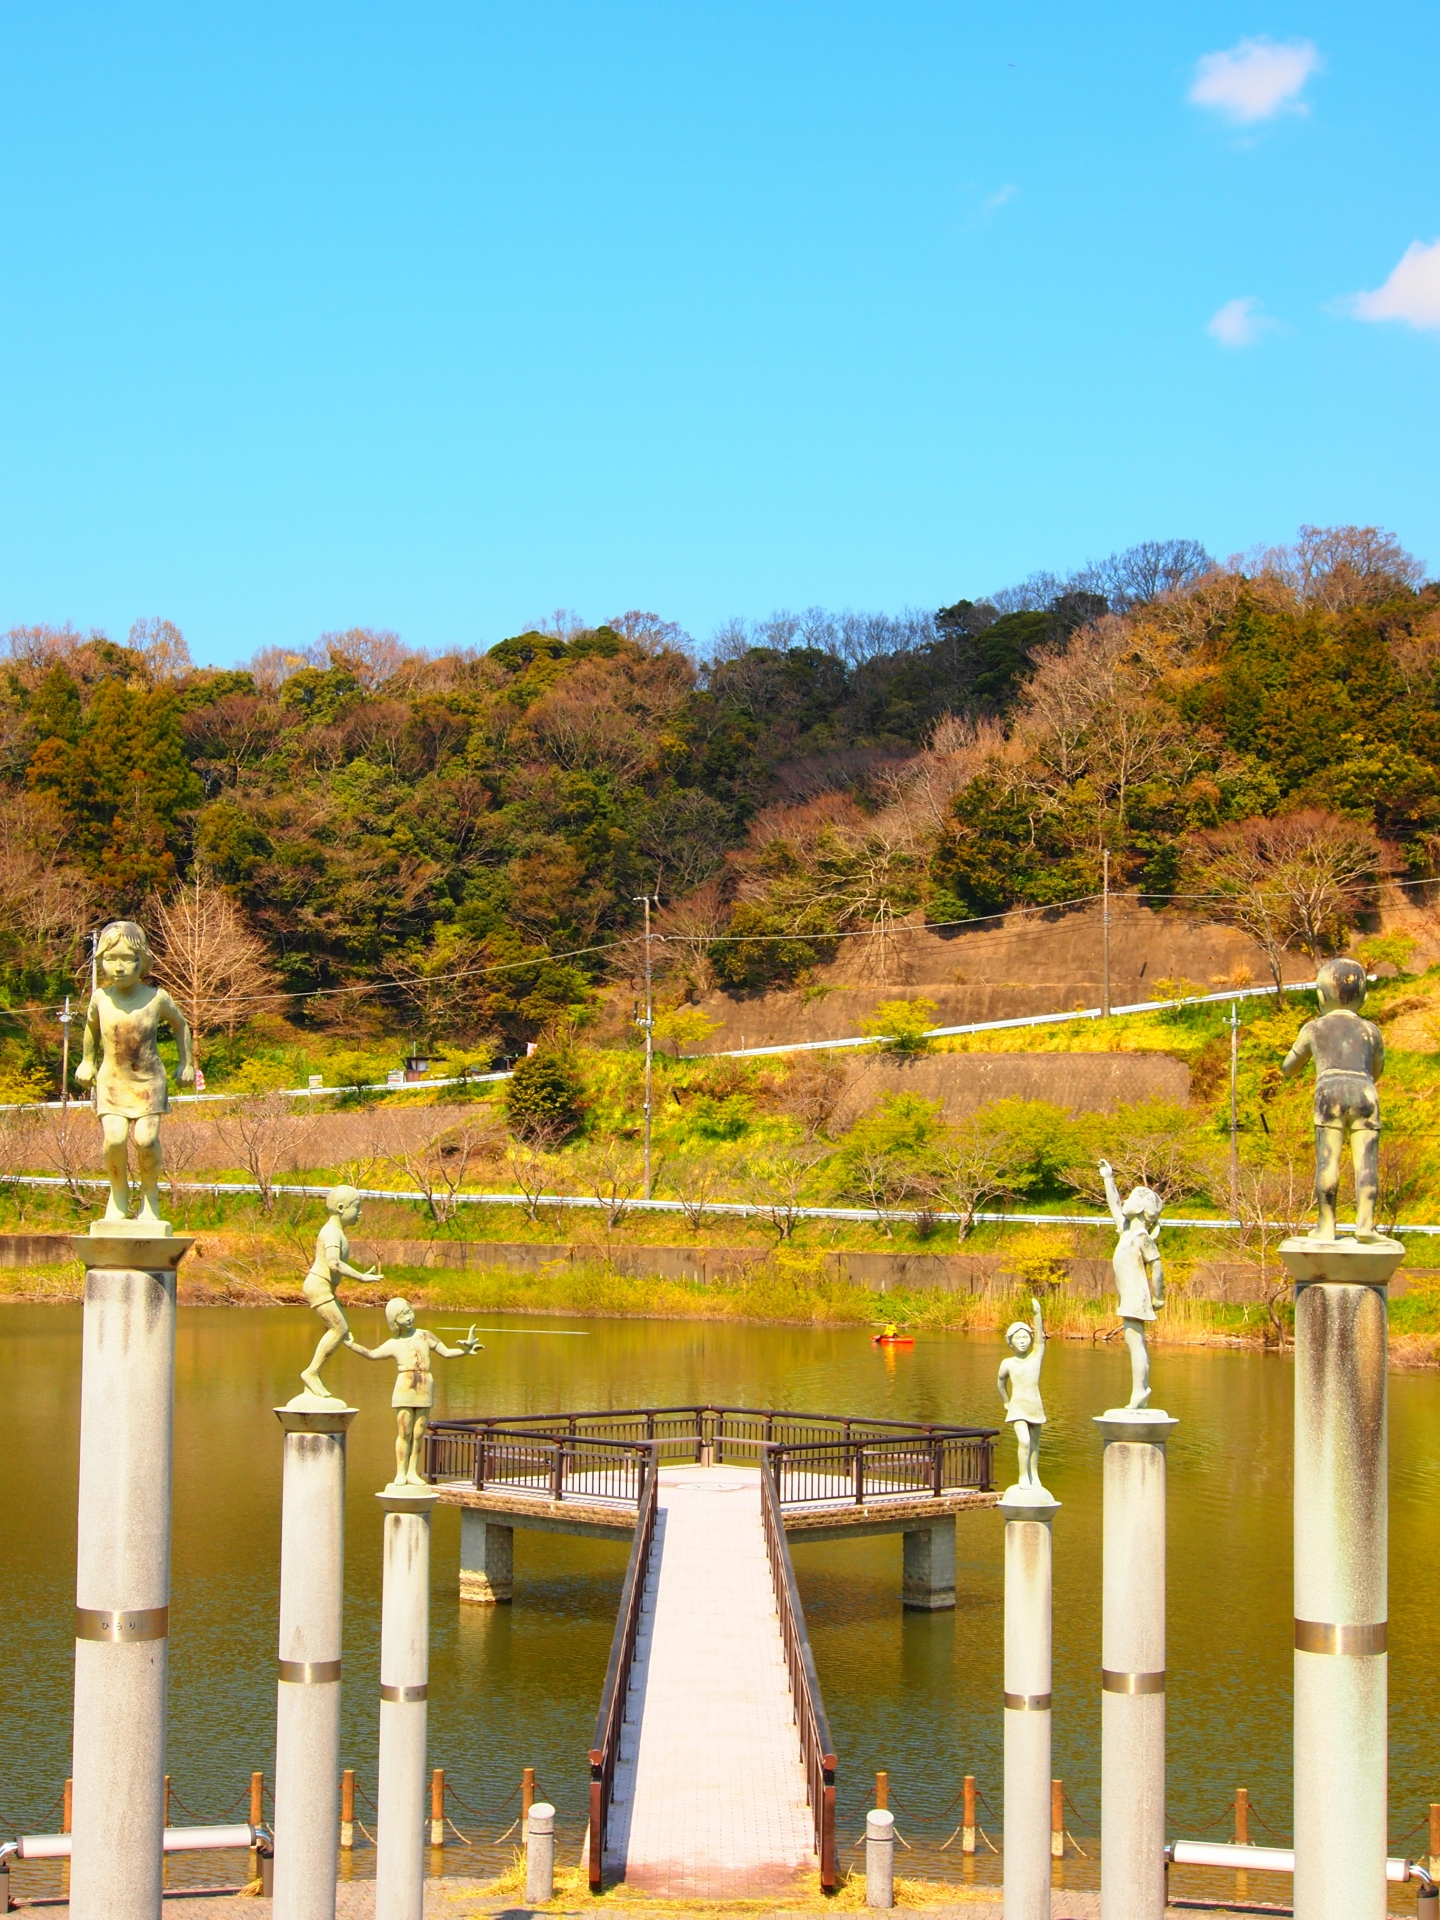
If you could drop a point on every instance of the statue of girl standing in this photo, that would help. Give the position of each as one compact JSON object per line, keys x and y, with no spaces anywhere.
{"x":131,"y":1091}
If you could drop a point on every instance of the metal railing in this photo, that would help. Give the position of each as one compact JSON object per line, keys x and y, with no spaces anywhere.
{"x":605,"y":1746}
{"x":819,"y":1457}
{"x":817,"y":1749}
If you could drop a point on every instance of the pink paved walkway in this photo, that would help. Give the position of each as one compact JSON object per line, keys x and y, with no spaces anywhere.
{"x":709,"y":1790}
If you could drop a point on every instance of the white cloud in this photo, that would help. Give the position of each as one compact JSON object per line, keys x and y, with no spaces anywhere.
{"x":1240,"y":323}
{"x":1002,"y":197}
{"x":1411,"y":294}
{"x":1255,"y":78}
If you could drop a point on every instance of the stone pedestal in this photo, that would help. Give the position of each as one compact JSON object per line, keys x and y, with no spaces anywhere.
{"x":307,"y":1716}
{"x":1028,"y":1512}
{"x":1132,"y":1702}
{"x":404,"y":1690}
{"x":928,"y":1580}
{"x":487,"y":1559}
{"x":1341,"y":1588}
{"x":122,"y":1579}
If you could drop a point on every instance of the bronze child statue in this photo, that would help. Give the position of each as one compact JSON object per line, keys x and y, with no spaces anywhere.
{"x":1349,"y":1056}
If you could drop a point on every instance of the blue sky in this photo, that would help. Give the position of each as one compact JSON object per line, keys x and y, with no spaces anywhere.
{"x":440,"y":318}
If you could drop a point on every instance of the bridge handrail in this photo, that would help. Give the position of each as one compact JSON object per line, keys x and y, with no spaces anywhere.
{"x":605,"y":1746}
{"x":491,"y":1450}
{"x":817,"y":1749}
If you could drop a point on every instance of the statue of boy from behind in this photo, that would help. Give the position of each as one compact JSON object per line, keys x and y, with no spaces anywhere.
{"x":1349,"y":1056}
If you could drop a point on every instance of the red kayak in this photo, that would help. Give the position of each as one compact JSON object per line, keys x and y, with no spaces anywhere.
{"x":892,"y":1340}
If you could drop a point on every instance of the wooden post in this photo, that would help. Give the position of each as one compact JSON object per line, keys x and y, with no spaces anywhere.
{"x":437,"y":1807}
{"x":967,"y":1828}
{"x":167,"y":1799}
{"x":1057,"y":1819}
{"x":257,"y":1816}
{"x":347,"y":1807}
{"x":1434,"y":1839}
{"x":1242,"y":1817}
{"x":67,"y":1806}
{"x":882,"y":1791}
{"x":527,"y":1800}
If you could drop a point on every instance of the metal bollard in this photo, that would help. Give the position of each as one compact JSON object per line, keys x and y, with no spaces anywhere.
{"x":880,"y":1858}
{"x":540,"y":1854}
{"x":437,"y":1807}
{"x":1427,"y":1902}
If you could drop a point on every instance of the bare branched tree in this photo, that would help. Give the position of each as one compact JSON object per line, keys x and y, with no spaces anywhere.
{"x":530,"y":1164}
{"x":262,"y":1135}
{"x":1275,"y":1202}
{"x":216,"y":967}
{"x":776,"y":1183}
{"x":811,"y":1091}
{"x":974,"y":1163}
{"x":440,"y":1166}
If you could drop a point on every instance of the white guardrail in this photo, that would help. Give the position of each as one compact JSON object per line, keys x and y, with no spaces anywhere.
{"x":735,"y":1209}
{"x":1213,"y":1853}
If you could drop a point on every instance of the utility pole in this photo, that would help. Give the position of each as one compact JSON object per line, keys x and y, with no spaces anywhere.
{"x":1234,"y":1123}
{"x":1105,"y":884}
{"x":65,"y":1054}
{"x":649,"y":1025}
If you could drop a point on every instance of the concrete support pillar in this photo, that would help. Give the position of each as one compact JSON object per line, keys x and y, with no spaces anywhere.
{"x":307,"y":1717}
{"x":487,"y":1560}
{"x":1341,"y":1594}
{"x":1132,"y":1712}
{"x":122,"y":1577}
{"x":540,"y":1854}
{"x":1028,"y":1579}
{"x":404,"y":1710}
{"x":880,"y":1858}
{"x":929,"y":1577}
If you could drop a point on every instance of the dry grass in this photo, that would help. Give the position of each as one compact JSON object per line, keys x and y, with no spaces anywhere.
{"x":572,"y":1892}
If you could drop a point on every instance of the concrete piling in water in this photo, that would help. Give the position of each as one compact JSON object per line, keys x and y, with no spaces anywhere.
{"x":1132,"y":1698}
{"x":540,"y":1853}
{"x":1029,"y":1546}
{"x":404,"y":1710}
{"x":967,"y":1814}
{"x":1341,"y":1588}
{"x":437,"y":1807}
{"x":1242,"y":1817}
{"x":122,"y":1586}
{"x":307,"y":1711}
{"x":880,"y":1858}
{"x":347,"y":1810}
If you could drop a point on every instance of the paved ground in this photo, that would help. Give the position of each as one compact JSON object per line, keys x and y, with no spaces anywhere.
{"x":709,"y":1793}
{"x":450,"y":1900}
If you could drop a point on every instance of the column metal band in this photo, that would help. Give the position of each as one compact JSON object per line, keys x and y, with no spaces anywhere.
{"x":1319,"y":1636}
{"x":309,"y":1673}
{"x":405,"y":1694}
{"x":1028,"y":1702}
{"x":1113,"y":1682}
{"x":121,"y":1626}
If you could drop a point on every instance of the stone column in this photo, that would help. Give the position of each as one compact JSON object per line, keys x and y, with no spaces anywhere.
{"x":929,"y":1567}
{"x":1028,"y":1512}
{"x":487,"y":1559}
{"x":1341,"y":1597}
{"x":404,"y":1688}
{"x":307,"y":1716}
{"x":1132,"y":1703}
{"x":122,"y":1577}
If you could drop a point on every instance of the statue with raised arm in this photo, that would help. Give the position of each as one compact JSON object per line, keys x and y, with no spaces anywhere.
{"x":1139,"y":1274}
{"x":131,"y":1089}
{"x":330,"y":1265}
{"x":1349,"y":1056}
{"x":1019,"y":1384}
{"x":410,"y":1347}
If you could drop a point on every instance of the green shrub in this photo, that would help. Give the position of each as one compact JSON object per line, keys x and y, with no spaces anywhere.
{"x":545,"y":1095}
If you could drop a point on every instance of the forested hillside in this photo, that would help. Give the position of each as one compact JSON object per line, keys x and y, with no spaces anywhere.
{"x":411,"y":840}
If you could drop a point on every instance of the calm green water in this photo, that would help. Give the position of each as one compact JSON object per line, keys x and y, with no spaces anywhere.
{"x":515,"y":1686}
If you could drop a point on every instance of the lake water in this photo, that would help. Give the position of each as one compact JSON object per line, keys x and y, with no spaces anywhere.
{"x":918,"y":1694}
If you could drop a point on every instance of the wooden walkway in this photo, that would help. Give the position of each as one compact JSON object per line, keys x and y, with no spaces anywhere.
{"x":709,"y":1799}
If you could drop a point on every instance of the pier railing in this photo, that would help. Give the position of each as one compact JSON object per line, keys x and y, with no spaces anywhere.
{"x":609,"y":1722}
{"x":818,"y":1458}
{"x":817,"y":1749}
